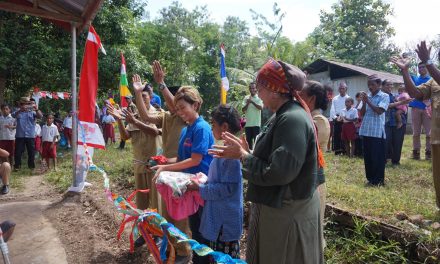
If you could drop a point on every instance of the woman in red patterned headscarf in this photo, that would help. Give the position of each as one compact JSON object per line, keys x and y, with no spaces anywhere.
{"x":281,"y":172}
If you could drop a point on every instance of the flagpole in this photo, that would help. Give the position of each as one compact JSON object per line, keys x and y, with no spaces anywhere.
{"x":74,"y":106}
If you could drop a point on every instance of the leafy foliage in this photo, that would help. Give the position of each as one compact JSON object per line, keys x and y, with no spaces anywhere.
{"x":186,"y":42}
{"x":357,"y":32}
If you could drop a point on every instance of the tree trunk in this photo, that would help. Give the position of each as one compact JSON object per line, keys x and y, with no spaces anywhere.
{"x":2,"y":88}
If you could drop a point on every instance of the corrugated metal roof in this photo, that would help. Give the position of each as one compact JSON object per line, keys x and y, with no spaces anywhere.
{"x":61,"y":12}
{"x":321,"y":65}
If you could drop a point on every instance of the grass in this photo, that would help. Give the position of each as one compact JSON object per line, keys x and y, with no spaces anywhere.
{"x":409,"y":187}
{"x":360,"y":245}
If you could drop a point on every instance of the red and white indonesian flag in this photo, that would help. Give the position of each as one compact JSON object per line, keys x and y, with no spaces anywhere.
{"x":88,"y":130}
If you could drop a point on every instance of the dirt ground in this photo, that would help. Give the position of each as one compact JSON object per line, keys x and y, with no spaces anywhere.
{"x":85,"y":225}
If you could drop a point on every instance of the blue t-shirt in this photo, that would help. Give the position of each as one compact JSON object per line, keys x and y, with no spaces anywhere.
{"x":418,"y":80}
{"x":156,"y":100}
{"x":196,"y":138}
{"x":25,"y":124}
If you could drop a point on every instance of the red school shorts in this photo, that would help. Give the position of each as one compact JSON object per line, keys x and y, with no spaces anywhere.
{"x":348,"y":131}
{"x":67,"y":132}
{"x":47,"y":152}
{"x":38,"y":144}
{"x":9,"y":146}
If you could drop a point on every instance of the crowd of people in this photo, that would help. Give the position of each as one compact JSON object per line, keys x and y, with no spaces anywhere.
{"x":282,"y":160}
{"x":26,"y":128}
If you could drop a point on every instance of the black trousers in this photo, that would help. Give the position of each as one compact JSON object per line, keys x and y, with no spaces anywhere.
{"x":338,"y":145}
{"x":251,"y":134}
{"x":374,"y":159}
{"x":122,"y":144}
{"x":358,"y":151}
{"x":394,"y":142}
{"x":29,"y":144}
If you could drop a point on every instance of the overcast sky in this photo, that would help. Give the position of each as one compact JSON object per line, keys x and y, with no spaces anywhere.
{"x":412,"y":20}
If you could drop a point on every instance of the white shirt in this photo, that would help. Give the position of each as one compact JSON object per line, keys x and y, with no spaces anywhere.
{"x":5,"y":132}
{"x":48,"y":133}
{"x":108,"y":119}
{"x":350,"y":114}
{"x":359,"y":107}
{"x":67,"y":122}
{"x":37,"y":130}
{"x":338,"y":103}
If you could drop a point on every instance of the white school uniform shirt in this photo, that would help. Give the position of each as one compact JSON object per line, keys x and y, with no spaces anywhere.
{"x":108,"y":119}
{"x":350,"y":114}
{"x":7,"y":133}
{"x":67,"y":122}
{"x":338,"y":103}
{"x":37,"y":130}
{"x":48,"y":133}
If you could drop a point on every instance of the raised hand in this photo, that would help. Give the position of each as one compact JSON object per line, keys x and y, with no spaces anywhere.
{"x":364,"y":97}
{"x":400,"y":62}
{"x":137,"y":83}
{"x":244,"y":143}
{"x":159,"y":75}
{"x":117,"y":114}
{"x":232,"y":149}
{"x":423,"y":52}
{"x":129,"y":116}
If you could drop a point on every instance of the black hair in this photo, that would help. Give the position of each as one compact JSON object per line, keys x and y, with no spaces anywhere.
{"x":386,"y":81}
{"x":225,"y":113}
{"x":4,"y":105}
{"x":147,"y":88}
{"x":328,"y":88}
{"x":357,"y":95}
{"x":317,"y":89}
{"x":173,"y":89}
{"x":252,"y":83}
{"x":350,"y":99}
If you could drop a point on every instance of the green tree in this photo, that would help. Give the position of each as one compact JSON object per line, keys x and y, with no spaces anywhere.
{"x":32,"y":53}
{"x":357,"y":32}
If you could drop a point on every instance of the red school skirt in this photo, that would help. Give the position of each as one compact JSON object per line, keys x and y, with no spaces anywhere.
{"x":348,"y":131}
{"x":67,"y":133}
{"x":109,"y":132}
{"x":38,"y":144}
{"x":48,"y":153}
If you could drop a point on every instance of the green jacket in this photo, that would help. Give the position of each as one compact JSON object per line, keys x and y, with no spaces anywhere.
{"x":283,"y":165}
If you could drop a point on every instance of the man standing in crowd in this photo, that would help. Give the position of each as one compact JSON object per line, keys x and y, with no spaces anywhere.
{"x":329,"y":91}
{"x":252,"y":106}
{"x":428,"y":90}
{"x":395,"y":135}
{"x":133,"y":109}
{"x":420,"y":117}
{"x":338,"y":103}
{"x":25,"y":131}
{"x":7,"y":132}
{"x":373,"y":131}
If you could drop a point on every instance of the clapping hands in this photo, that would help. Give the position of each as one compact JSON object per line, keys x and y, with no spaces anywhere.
{"x":117,"y":114}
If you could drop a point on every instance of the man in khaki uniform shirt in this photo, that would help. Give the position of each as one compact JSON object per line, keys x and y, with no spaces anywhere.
{"x":428,"y":90}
